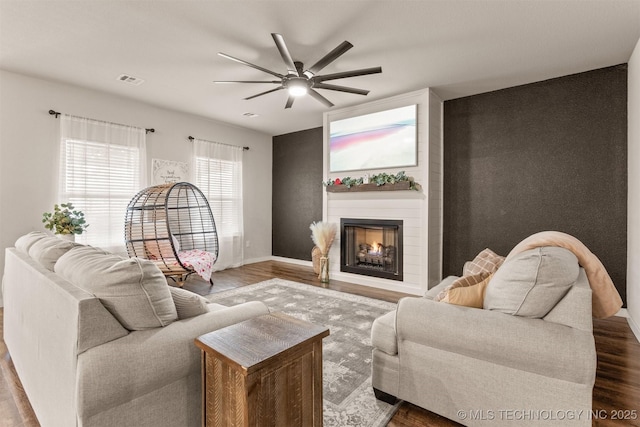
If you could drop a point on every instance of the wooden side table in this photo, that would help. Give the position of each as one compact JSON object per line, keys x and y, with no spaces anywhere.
{"x":265,"y":371}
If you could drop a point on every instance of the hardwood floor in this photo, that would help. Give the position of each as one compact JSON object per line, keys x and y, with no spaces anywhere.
{"x":617,"y":387}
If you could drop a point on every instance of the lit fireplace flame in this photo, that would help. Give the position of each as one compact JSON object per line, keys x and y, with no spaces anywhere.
{"x":376,"y":248}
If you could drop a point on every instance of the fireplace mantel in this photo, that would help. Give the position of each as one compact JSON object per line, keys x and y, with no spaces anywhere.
{"x":398,"y":186}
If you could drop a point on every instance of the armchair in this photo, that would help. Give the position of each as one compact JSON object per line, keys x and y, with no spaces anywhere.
{"x":483,"y":366}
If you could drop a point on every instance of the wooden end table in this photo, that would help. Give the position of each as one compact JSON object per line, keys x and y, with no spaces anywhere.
{"x":265,"y":371}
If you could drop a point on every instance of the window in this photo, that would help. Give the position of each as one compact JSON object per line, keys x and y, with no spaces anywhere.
{"x":102,"y":168}
{"x":218,"y":174}
{"x":216,"y":180}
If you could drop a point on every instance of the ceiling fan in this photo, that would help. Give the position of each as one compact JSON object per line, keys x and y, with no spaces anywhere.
{"x":299,"y":81}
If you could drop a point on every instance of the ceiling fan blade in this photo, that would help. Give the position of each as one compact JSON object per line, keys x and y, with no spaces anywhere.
{"x":257,"y":67}
{"x":345,"y":74}
{"x":248,"y":81}
{"x":289,"y":102}
{"x":284,"y":53}
{"x":320,"y":98}
{"x":264,"y":93}
{"x":340,"y":88}
{"x":329,"y":58}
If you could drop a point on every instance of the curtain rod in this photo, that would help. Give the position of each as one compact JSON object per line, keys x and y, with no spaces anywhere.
{"x":147,"y":130}
{"x":221,"y":143}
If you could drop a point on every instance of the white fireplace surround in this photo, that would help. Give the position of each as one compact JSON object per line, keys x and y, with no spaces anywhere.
{"x":420,"y":211}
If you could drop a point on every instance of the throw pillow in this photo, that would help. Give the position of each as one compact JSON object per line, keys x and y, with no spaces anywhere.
{"x":133,"y":290}
{"x":468,"y":296}
{"x":25,"y":242}
{"x":49,"y":249}
{"x":188,"y":304}
{"x":462,"y":282}
{"x":532,"y":282}
{"x":485,"y":261}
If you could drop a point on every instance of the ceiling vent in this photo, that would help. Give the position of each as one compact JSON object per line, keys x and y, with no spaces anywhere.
{"x":125,"y":78}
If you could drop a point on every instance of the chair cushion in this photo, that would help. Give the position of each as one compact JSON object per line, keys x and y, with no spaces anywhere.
{"x":25,"y":242}
{"x":606,"y":299}
{"x":158,"y":249}
{"x":133,"y":290}
{"x":188,"y":304}
{"x":49,"y":249}
{"x":531,"y":283}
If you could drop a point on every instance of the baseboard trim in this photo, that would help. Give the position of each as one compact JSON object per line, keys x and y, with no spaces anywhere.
{"x":634,"y":327}
{"x":622,"y":313}
{"x":292,"y":261}
{"x":255,"y":260}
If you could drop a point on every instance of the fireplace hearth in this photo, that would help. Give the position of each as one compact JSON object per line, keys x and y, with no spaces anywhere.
{"x":371,"y":247}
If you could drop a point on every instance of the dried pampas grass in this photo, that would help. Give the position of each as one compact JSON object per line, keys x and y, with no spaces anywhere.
{"x":323,"y":234}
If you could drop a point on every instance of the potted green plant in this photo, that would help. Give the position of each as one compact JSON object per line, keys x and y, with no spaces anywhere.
{"x":65,"y":221}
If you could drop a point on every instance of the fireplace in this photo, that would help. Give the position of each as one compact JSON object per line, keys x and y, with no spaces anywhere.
{"x":372,"y":247}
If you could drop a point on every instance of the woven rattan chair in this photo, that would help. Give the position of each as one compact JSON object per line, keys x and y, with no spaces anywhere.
{"x":172,"y":224}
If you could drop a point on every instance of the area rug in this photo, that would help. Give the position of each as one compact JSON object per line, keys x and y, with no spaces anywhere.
{"x":347,"y":392}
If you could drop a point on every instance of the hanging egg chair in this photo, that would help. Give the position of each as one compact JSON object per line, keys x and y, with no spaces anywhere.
{"x":172,"y":225}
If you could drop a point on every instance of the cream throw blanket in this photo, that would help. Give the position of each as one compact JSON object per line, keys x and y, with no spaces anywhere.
{"x":606,"y":300}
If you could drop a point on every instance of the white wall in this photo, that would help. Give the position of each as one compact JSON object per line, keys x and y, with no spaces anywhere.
{"x":633,"y":202}
{"x":29,"y":150}
{"x":422,"y":250}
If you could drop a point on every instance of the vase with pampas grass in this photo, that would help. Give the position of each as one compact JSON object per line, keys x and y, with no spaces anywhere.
{"x":323,"y":235}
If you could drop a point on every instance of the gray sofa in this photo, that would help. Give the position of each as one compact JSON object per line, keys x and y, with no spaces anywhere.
{"x":492,"y":366}
{"x":98,"y":340}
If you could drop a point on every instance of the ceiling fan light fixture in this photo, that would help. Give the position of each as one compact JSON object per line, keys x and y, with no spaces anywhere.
{"x":297,"y":87}
{"x":299,"y":82}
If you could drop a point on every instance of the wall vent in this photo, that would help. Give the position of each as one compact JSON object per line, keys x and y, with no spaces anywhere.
{"x":125,"y":78}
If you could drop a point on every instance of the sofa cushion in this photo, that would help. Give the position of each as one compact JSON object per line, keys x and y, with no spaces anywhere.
{"x":48,"y":249}
{"x":531,"y":283}
{"x":25,"y":242}
{"x":463,"y":282}
{"x":468,"y":296}
{"x":486,"y":261}
{"x":133,"y":290}
{"x":188,"y":304}
{"x":606,"y":299}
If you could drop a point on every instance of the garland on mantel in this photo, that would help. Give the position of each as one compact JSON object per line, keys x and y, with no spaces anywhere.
{"x":379,"y":180}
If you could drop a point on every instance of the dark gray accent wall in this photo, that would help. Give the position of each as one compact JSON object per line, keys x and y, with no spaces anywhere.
{"x":297,"y":192}
{"x":550,"y":155}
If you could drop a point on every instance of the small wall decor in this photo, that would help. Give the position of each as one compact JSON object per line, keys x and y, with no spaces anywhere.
{"x":168,"y":172}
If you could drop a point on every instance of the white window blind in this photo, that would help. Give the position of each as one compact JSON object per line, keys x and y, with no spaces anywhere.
{"x":102,"y":168}
{"x":218,"y":174}
{"x":216,"y":180}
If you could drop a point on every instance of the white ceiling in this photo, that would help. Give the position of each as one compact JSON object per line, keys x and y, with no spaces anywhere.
{"x":458,"y":48}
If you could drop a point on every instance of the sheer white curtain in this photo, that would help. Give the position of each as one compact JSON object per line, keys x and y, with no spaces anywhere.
{"x":102,"y":166}
{"x":218,"y":173}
